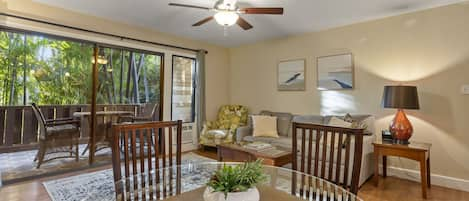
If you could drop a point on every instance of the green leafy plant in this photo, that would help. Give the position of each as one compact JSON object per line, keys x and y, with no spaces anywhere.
{"x":237,"y":178}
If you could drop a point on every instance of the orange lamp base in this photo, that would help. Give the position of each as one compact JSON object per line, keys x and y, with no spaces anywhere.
{"x":401,"y":129}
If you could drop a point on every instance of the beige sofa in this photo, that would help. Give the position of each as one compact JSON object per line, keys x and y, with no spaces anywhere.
{"x":284,"y":127}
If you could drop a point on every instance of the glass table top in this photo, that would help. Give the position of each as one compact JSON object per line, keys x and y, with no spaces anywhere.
{"x":188,"y":182}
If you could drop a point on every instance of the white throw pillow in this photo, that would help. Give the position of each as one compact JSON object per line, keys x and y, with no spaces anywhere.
{"x":264,"y":126}
{"x":337,"y":122}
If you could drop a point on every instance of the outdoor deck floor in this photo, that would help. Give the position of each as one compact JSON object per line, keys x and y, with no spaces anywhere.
{"x":19,"y":166}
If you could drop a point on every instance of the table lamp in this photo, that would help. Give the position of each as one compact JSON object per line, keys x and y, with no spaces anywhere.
{"x":400,"y":98}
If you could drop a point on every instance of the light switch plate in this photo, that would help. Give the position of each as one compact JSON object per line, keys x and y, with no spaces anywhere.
{"x":465,"y":89}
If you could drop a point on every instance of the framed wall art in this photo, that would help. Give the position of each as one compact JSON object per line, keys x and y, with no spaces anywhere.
{"x":335,"y":72}
{"x":291,"y":75}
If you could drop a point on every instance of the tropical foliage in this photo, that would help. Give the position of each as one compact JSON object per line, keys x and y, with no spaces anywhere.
{"x":46,"y":70}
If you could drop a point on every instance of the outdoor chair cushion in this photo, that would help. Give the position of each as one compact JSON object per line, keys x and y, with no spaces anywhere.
{"x":66,"y":128}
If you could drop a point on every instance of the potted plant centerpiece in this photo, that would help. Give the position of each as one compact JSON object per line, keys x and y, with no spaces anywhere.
{"x":235,"y":183}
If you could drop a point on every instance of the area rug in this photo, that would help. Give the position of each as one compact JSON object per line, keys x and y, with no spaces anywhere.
{"x":100,"y":184}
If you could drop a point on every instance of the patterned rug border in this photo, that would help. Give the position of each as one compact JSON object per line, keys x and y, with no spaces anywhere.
{"x":51,"y":184}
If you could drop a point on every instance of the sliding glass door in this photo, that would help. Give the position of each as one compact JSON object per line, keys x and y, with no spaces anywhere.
{"x":43,"y":70}
{"x":129,"y":77}
{"x":56,"y":73}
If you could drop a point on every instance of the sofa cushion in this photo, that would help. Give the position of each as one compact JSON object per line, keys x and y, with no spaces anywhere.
{"x":365,"y":121}
{"x":283,"y":122}
{"x":337,"y":122}
{"x":282,"y":141}
{"x":286,"y":142}
{"x":312,"y":119}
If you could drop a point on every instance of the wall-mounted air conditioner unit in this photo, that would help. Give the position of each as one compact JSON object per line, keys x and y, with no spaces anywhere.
{"x":187,"y":133}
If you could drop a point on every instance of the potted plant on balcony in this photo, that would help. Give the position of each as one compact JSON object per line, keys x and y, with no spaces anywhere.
{"x":235,"y":183}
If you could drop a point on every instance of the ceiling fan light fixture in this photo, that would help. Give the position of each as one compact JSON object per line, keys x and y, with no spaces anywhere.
{"x":226,"y":18}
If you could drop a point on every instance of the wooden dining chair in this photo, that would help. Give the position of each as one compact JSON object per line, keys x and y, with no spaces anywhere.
{"x":146,"y":150}
{"x":325,"y":152}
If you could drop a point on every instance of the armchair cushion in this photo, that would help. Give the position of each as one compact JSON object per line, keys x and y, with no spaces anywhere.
{"x":218,"y":133}
{"x":242,"y":132}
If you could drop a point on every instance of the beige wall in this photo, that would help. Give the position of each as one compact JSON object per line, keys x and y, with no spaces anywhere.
{"x":429,"y":49}
{"x":216,"y":60}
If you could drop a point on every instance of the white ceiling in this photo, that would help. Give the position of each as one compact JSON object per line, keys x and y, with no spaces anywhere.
{"x":300,"y":16}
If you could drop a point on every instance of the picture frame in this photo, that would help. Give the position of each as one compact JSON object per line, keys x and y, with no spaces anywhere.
{"x":291,"y":75}
{"x":335,"y":72}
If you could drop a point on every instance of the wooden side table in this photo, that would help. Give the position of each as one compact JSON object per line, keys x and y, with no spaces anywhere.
{"x":415,"y":151}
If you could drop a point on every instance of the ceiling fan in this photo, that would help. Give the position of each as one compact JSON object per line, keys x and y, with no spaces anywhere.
{"x":227,"y":13}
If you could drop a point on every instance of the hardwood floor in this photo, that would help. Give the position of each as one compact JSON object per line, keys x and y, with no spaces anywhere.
{"x":390,"y":189}
{"x":396,"y":189}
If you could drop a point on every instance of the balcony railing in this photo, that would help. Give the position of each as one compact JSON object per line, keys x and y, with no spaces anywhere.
{"x":19,"y":126}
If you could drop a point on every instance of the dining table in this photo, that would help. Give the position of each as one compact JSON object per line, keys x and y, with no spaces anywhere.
{"x":189,"y":181}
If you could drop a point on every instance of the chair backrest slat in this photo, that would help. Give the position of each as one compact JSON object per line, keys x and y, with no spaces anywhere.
{"x":178,"y":157}
{"x":145,"y":146}
{"x":331,"y":157}
{"x":303,"y":142}
{"x":126,"y":153}
{"x":316,"y":151}
{"x":332,"y":148}
{"x":323,"y":161}
{"x":170,"y":152}
{"x":157,"y":160}
{"x":339,"y":159}
{"x":347,"y":159}
{"x":310,"y":150}
{"x":163,"y":157}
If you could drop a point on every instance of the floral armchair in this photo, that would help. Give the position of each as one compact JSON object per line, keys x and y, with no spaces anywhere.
{"x":230,"y":117}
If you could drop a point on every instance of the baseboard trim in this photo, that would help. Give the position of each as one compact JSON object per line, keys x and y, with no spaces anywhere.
{"x":438,"y":180}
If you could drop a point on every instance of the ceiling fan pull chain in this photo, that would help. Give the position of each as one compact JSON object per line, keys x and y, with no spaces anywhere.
{"x":225,"y":31}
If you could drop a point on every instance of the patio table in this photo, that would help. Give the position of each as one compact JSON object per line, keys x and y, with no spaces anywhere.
{"x":110,"y":114}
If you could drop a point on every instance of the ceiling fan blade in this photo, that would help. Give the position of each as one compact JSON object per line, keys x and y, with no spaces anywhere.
{"x":271,"y":11}
{"x":203,"y":21}
{"x":188,"y":6}
{"x":243,"y":24}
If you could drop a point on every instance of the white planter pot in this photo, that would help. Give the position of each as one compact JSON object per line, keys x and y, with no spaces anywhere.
{"x":251,"y":194}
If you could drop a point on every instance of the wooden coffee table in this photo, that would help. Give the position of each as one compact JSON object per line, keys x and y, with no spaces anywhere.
{"x":237,"y":153}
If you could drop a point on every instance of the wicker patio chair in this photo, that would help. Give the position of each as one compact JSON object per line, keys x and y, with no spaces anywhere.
{"x":148,"y":114}
{"x":56,"y":136}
